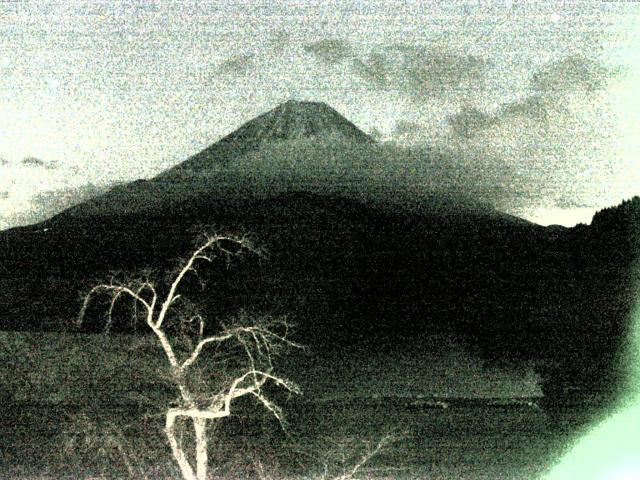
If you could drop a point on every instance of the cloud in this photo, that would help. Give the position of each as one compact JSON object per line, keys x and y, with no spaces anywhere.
{"x":408,"y":132}
{"x":375,"y":69}
{"x":38,"y":163}
{"x":44,"y":205}
{"x":549,"y":86}
{"x":423,"y":71}
{"x":534,"y":107}
{"x":406,"y":127}
{"x":409,"y":69}
{"x":280,"y":40}
{"x":49,"y":203}
{"x":469,"y":120}
{"x":331,"y":50}
{"x":569,"y":74}
{"x":237,"y":65}
{"x":546,"y":140}
{"x":419,"y":71}
{"x":247,"y":62}
{"x":412,"y":71}
{"x":376,"y":134}
{"x":567,"y":202}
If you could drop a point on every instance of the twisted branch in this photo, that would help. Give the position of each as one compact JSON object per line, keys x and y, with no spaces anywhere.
{"x":259,"y":342}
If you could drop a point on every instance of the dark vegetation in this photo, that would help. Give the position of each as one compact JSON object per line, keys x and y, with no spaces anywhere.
{"x":347,"y":272}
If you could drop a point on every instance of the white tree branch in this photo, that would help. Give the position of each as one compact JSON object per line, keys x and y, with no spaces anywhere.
{"x":258,"y":341}
{"x":197,"y":255}
{"x":116,"y":291}
{"x":196,"y":351}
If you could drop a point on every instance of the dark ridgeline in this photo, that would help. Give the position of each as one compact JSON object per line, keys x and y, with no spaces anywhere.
{"x":346,"y":269}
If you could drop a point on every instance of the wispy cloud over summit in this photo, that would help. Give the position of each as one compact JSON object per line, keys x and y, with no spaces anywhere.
{"x":330,"y":50}
{"x":237,"y":65}
{"x":411,"y":69}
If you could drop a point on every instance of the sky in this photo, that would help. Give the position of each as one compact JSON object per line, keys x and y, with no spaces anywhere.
{"x":536,"y":101}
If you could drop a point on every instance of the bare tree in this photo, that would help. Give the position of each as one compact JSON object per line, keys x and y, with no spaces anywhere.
{"x":258,"y":340}
{"x":350,"y":473}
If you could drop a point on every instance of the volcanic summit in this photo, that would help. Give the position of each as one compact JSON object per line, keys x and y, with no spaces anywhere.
{"x":291,"y":120}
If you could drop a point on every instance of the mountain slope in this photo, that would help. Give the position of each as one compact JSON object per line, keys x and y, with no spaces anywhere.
{"x":291,"y":132}
{"x":289,"y":121}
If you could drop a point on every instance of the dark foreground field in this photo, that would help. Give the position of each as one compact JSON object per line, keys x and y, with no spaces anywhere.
{"x":90,"y":406}
{"x":460,"y":442}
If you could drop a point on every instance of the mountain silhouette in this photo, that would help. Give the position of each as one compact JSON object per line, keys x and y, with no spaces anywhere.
{"x":297,"y":146}
{"x":292,"y":120}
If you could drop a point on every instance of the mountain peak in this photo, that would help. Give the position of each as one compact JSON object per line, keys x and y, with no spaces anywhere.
{"x":300,"y":106}
{"x":292,"y":102}
{"x":291,"y":120}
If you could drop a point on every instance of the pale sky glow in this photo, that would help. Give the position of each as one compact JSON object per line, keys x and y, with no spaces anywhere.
{"x":558,"y":216}
{"x":114,"y":91}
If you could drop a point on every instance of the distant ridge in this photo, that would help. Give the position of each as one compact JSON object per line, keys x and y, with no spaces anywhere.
{"x":290,"y":120}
